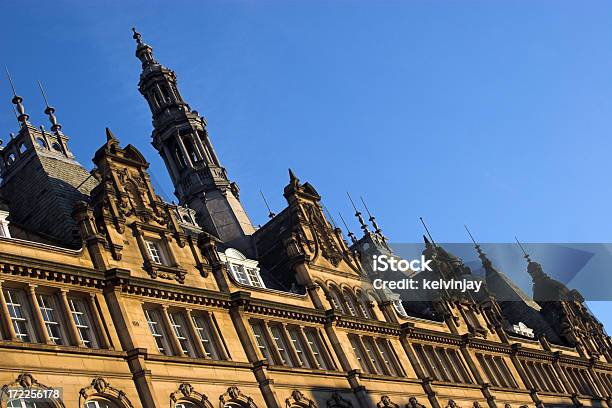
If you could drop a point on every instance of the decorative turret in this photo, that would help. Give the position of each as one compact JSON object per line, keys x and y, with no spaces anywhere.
{"x":181,"y":138}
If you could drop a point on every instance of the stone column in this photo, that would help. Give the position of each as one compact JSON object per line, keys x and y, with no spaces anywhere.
{"x":6,"y":316}
{"x":188,"y":161}
{"x":38,"y":317}
{"x":97,"y":320}
{"x":73,"y":332}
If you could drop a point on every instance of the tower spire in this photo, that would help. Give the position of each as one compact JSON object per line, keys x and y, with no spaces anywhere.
{"x":144,"y":52}
{"x":50,"y":111}
{"x":17,"y":100}
{"x":364,"y":226}
{"x":180,"y":137}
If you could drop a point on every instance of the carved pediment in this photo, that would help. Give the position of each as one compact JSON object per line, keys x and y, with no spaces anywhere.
{"x":337,"y":401}
{"x":299,"y":400}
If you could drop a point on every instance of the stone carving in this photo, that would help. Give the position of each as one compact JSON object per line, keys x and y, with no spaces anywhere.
{"x":336,"y":401}
{"x":452,"y":404}
{"x":385,"y":402}
{"x":101,"y":387}
{"x":414,"y":403}
{"x":234,"y":395}
{"x":186,"y":392}
{"x":299,"y":400}
{"x":27,"y":380}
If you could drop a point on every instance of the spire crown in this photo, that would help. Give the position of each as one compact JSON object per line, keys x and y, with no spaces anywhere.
{"x":143,"y":51}
{"x":17,"y":100}
{"x":50,"y":111}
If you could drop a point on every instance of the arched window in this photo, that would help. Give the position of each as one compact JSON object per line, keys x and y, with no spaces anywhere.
{"x":335,"y":298}
{"x":185,"y":404}
{"x":399,"y":308}
{"x":10,"y":159}
{"x":41,"y":142}
{"x":190,"y":150}
{"x":56,"y":146}
{"x":100,"y":394}
{"x":351,"y":302}
{"x":365,"y":305}
{"x":179,"y":157}
{"x":22,"y":148}
{"x":99,"y":403}
{"x":26,"y":381}
{"x":27,"y":403}
{"x":187,"y":397}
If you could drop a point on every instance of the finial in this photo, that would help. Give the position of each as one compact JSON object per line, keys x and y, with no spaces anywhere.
{"x":50,"y":111}
{"x":364,"y":226}
{"x":22,"y":117}
{"x":372,"y":219}
{"x":109,"y":135}
{"x":525,"y":254}
{"x":270,"y":213}
{"x":472,"y":238}
{"x":349,"y":233}
{"x":137,"y":36}
{"x":292,"y":177}
{"x":427,"y":231}
{"x":481,"y":254}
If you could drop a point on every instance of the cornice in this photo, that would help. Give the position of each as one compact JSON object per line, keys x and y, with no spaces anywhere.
{"x":367,"y":325}
{"x":51,"y":271}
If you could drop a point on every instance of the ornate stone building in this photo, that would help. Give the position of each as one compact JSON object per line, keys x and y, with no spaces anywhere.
{"x":120,"y":299}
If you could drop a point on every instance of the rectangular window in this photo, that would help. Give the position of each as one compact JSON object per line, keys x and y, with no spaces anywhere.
{"x":179,"y":326}
{"x":155,"y":252}
{"x":80,"y":315}
{"x":239,"y":273}
{"x":262,"y":341}
{"x":204,"y":328}
{"x":387,"y":356}
{"x":370,"y":349}
{"x":254,"y":277}
{"x":158,"y":332}
{"x":15,"y":301}
{"x":48,"y":309}
{"x":359,"y":354}
{"x":298,"y":345}
{"x":281,"y":345}
{"x":312,"y":337}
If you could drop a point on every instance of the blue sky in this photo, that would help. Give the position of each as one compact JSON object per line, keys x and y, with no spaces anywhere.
{"x":492,"y":114}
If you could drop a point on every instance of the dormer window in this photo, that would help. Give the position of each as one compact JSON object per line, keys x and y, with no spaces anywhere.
{"x":156,"y":253}
{"x":4,"y":224}
{"x":399,"y":308}
{"x":243,"y":270}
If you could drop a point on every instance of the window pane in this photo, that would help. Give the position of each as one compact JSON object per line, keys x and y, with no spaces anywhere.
{"x":157,"y":331}
{"x":20,"y":318}
{"x":48,"y":309}
{"x":179,"y":325}
{"x":371,"y":353}
{"x":204,"y":330}
{"x":239,"y":273}
{"x":312,"y":338}
{"x":281,"y":346}
{"x":80,"y":315}
{"x":359,"y":354}
{"x":298,"y":344}
{"x":262,"y":343}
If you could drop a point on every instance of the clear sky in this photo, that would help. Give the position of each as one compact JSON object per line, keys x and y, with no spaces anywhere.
{"x":493,"y":114}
